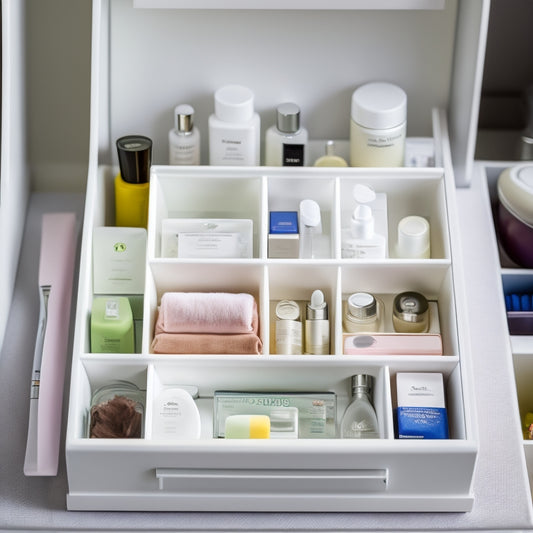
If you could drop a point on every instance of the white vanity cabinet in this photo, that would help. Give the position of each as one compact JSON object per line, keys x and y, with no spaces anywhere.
{"x":14,"y":174}
{"x":150,"y":56}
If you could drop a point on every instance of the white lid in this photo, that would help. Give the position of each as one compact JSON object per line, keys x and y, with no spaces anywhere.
{"x":379,"y":105}
{"x":234,"y":103}
{"x":309,"y":213}
{"x":413,"y":237}
{"x":515,"y":191}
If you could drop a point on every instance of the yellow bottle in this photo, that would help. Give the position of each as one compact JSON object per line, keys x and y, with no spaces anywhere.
{"x":330,"y":159}
{"x":132,"y":183}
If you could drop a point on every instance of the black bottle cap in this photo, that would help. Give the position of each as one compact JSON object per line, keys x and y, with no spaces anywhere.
{"x":135,"y":158}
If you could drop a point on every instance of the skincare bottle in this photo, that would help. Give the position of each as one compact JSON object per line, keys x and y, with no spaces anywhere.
{"x":310,"y":223}
{"x":410,"y":313}
{"x":317,"y":325}
{"x":175,"y":415}
{"x":362,"y":241}
{"x":288,"y":328}
{"x":234,"y":128}
{"x":132,"y":183}
{"x":359,"y":420}
{"x":413,"y":238}
{"x":363,"y":313}
{"x":286,"y":142}
{"x":330,"y":159}
{"x":378,"y":126}
{"x":184,"y":139}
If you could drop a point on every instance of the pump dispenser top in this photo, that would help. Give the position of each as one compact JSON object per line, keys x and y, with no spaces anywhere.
{"x":363,"y":242}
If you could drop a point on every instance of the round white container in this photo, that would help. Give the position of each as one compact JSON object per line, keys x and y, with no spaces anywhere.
{"x":378,"y":125}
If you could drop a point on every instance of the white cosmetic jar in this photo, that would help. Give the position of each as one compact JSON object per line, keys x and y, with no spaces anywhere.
{"x":378,"y":125}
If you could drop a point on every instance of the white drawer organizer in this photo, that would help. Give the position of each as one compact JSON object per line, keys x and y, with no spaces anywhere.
{"x":273,"y":475}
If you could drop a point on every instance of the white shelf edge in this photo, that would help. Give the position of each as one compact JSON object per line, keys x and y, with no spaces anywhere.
{"x":293,"y":4}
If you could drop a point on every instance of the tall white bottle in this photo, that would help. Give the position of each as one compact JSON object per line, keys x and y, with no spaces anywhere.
{"x":184,"y":139}
{"x":286,"y":142}
{"x":234,"y":128}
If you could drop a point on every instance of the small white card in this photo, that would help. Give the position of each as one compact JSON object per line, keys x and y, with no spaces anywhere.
{"x":205,"y":238}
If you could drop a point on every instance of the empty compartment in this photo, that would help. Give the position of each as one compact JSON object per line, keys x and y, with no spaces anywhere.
{"x":206,"y":195}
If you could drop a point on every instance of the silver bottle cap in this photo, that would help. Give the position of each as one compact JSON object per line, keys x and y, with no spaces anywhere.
{"x":410,"y":306}
{"x":362,"y":383}
{"x":183,"y":118}
{"x":362,"y":305}
{"x":288,"y":118}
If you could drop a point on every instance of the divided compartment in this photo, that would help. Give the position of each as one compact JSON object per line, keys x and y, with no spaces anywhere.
{"x":296,"y":281}
{"x":94,"y":372}
{"x":515,"y":279}
{"x":286,"y":191}
{"x":452,"y":391}
{"x":203,"y":194}
{"x":432,"y":279}
{"x":409,"y":192}
{"x":232,"y":277}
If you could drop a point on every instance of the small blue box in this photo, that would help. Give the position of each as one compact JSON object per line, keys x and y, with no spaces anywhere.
{"x":283,"y":222}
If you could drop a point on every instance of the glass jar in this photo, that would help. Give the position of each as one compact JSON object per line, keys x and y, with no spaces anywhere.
{"x":117,"y":412}
{"x":410,"y":313}
{"x":362,"y":313}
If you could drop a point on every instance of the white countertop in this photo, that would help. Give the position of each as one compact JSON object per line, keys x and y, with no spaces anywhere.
{"x":502,"y":494}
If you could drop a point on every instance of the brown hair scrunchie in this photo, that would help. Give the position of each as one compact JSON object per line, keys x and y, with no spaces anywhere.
{"x":116,"y":419}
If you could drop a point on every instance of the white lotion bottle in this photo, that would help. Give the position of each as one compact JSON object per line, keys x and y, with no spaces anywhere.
{"x":361,"y":241}
{"x":234,"y":128}
{"x":317,"y":325}
{"x":378,"y":126}
{"x":286,"y":142}
{"x":184,"y":139}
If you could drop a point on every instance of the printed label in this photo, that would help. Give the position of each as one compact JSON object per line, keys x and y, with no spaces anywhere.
{"x":207,"y":245}
{"x":293,"y":155}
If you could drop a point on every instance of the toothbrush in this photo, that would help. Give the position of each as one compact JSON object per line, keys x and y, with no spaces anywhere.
{"x":56,"y":273}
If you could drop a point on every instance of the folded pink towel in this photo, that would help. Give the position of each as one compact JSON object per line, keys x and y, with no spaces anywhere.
{"x":207,"y":312}
{"x":197,"y":343}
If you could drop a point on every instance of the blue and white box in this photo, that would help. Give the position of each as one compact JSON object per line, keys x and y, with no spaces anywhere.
{"x":283,"y":237}
{"x":421,"y":411}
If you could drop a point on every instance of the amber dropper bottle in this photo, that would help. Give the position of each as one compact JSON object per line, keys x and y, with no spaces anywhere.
{"x":132,"y":184}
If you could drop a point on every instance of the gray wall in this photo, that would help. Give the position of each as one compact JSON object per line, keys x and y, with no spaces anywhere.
{"x":58,"y":51}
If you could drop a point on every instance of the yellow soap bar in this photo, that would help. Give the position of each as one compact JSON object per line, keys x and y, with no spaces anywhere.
{"x":247,"y":427}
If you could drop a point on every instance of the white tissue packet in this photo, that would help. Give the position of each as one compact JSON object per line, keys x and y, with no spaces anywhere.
{"x":206,"y":238}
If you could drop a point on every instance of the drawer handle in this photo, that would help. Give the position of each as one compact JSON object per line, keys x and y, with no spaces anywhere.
{"x":358,"y":480}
